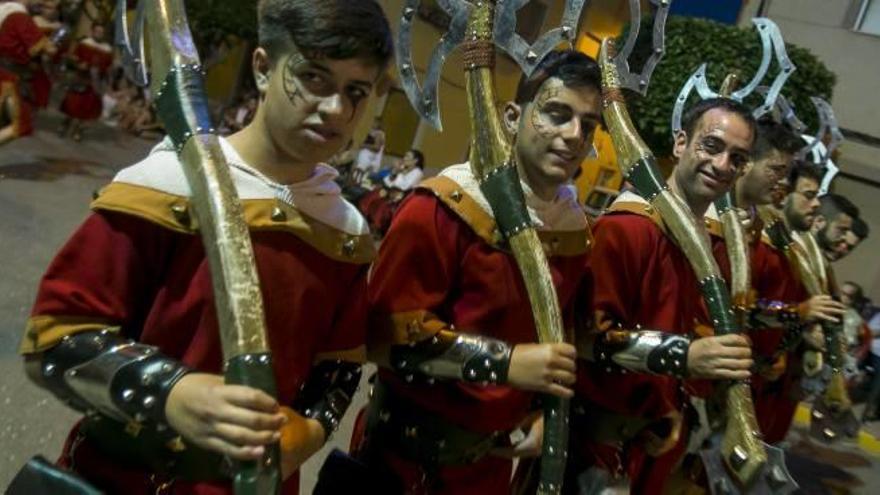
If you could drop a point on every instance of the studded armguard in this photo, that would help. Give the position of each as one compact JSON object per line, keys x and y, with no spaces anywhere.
{"x":327,"y":393}
{"x":459,"y":356}
{"x":119,"y":378}
{"x":765,"y":313}
{"x":643,"y":351}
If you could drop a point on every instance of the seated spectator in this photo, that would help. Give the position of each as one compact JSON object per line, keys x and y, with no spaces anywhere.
{"x":369,"y":159}
{"x":379,"y":205}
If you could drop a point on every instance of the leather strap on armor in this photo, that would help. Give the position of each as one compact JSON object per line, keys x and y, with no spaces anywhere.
{"x":327,"y":393}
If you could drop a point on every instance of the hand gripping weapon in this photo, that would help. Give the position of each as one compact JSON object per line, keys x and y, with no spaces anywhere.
{"x":480,"y":26}
{"x":738,"y":462}
{"x":180,"y":101}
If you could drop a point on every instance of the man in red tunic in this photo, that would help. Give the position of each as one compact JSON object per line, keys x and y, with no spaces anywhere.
{"x":21,"y":42}
{"x":125,"y":327}
{"x":779,"y":307}
{"x":91,"y":58}
{"x":645,"y":353}
{"x":451,"y":326}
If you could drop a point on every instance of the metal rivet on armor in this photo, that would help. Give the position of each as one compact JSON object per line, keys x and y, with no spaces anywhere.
{"x":531,"y":56}
{"x":487,"y":363}
{"x":818,"y":414}
{"x":472,"y":374}
{"x":493,"y":376}
{"x":455,"y":195}
{"x":48,"y":369}
{"x":738,"y":457}
{"x":349,"y":246}
{"x":829,"y":434}
{"x":149,"y":401}
{"x":127,"y":394}
{"x":384,"y":416}
{"x":411,"y":431}
{"x":248,"y":359}
{"x":408,"y":13}
{"x":264,"y":359}
{"x":409,"y":378}
{"x":278,"y":214}
{"x":777,"y":478}
{"x":167,"y":367}
{"x":308,"y":412}
{"x":430,"y":381}
{"x":70,"y":373}
{"x":146,"y":380}
{"x":180,"y":213}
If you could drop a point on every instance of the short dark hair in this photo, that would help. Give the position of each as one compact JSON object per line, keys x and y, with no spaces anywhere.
{"x":860,"y":228}
{"x":803,"y":169}
{"x":835,"y":204}
{"x":774,"y":135}
{"x":696,"y":112}
{"x":574,"y":68}
{"x":420,"y":158}
{"x":336,"y":29}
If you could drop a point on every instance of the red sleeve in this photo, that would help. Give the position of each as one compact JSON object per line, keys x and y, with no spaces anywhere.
{"x":417,"y":260}
{"x":108,"y":272}
{"x":23,"y":35}
{"x":349,"y":327}
{"x":616,"y":265}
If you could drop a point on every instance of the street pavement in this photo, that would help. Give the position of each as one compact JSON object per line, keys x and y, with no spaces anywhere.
{"x":46,"y":184}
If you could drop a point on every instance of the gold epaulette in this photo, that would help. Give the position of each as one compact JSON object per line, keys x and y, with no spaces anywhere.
{"x":638,"y":208}
{"x":175,"y":213}
{"x":556,"y":243}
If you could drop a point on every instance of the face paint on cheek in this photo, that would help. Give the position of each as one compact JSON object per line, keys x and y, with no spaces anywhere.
{"x":292,"y":87}
{"x":542,"y":125}
{"x":355,"y":102}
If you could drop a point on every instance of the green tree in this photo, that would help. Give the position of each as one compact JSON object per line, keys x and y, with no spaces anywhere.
{"x":724,"y":48}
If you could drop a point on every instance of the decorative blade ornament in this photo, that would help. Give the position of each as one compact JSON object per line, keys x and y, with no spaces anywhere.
{"x":178,"y":89}
{"x":772,"y":45}
{"x":131,"y":49}
{"x":424,"y":98}
{"x":639,"y":82}
{"x":529,"y":56}
{"x":784,"y":111}
{"x":817,"y":149}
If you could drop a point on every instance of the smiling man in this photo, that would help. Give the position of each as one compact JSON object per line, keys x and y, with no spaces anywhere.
{"x":451,"y":326}
{"x":130,"y":298}
{"x":645,"y":302}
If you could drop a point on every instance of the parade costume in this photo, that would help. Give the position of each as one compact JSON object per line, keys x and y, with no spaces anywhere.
{"x":447,"y":301}
{"x":20,"y":41}
{"x":775,"y":318}
{"x":133,"y":282}
{"x":640,"y":282}
{"x":82,"y":101}
{"x":380,"y":204}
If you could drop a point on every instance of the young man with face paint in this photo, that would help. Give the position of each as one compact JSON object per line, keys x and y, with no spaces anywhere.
{"x":644,"y":352}
{"x":779,"y":303}
{"x":451,"y":326}
{"x":131,"y":293}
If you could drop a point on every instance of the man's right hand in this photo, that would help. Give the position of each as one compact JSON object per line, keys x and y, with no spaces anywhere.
{"x":822,"y":307}
{"x":726,"y":357}
{"x":546,"y":368}
{"x":234,"y":420}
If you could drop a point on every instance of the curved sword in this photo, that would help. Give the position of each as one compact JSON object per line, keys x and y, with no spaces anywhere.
{"x":132,"y":49}
{"x":180,"y":101}
{"x":772,"y":44}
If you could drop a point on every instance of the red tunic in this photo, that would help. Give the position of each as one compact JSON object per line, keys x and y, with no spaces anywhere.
{"x":435,"y":260}
{"x":19,"y":39}
{"x":133,"y":264}
{"x":82,"y":101}
{"x":639,"y":278}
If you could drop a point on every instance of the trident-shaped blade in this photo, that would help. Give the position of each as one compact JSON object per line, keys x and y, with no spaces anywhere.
{"x":132,"y":49}
{"x":827,"y":123}
{"x":771,"y":44}
{"x":785,"y":111}
{"x":529,"y":56}
{"x":425,"y":98}
{"x":639,"y":81}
